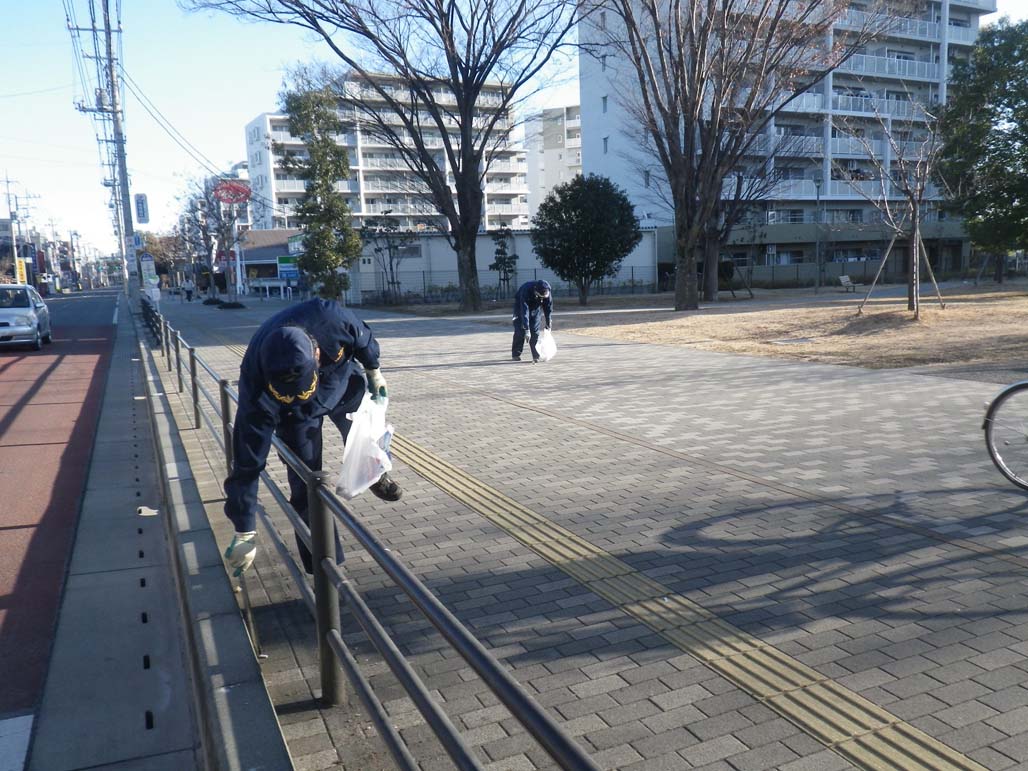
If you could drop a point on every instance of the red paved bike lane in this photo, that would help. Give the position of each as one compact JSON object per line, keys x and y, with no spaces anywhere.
{"x":49,"y":406}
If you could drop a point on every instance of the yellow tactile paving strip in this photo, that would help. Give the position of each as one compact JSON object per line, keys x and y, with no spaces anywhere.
{"x":862,"y":732}
{"x":857,"y":729}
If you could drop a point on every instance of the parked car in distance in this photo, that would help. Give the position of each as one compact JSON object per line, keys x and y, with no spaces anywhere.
{"x":24,"y":317}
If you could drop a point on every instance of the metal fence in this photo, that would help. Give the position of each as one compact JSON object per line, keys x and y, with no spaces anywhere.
{"x":325,"y":510}
{"x":443,"y":286}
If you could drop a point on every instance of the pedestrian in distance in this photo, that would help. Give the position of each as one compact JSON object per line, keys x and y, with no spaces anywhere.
{"x":188,"y":287}
{"x":533,"y":305}
{"x":299,"y":368}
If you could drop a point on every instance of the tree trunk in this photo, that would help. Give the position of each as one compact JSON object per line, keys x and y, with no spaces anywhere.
{"x":471,"y":294}
{"x":914,"y":284}
{"x":686,"y":295}
{"x":711,"y":252}
{"x":583,"y":292}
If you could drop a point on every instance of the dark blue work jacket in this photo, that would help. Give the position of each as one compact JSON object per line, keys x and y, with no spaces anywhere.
{"x":342,"y":339}
{"x":526,"y":304}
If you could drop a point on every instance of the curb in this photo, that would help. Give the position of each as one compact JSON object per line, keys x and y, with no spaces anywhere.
{"x":238,"y":726}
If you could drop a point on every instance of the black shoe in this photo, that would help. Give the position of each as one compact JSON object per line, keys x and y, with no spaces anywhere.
{"x":535,"y":359}
{"x":386,"y":489}
{"x":515,"y":357}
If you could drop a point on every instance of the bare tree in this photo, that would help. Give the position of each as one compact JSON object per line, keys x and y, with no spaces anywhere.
{"x":709,"y":77}
{"x":904,"y":163}
{"x":390,"y":247}
{"x":457,"y":70}
{"x":207,"y":228}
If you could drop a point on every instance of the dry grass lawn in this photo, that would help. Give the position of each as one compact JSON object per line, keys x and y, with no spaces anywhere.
{"x":977,"y":326}
{"x":986,"y":325}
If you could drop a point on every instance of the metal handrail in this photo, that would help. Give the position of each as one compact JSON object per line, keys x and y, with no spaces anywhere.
{"x":329,"y":581}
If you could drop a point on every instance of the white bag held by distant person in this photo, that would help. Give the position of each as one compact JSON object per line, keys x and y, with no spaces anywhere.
{"x":366,"y":451}
{"x":547,"y":346}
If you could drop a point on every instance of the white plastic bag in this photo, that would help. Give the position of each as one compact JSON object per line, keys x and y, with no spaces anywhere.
{"x":366,"y":451}
{"x":547,"y":346}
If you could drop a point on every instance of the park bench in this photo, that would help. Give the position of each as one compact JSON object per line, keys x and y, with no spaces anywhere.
{"x":848,"y":285}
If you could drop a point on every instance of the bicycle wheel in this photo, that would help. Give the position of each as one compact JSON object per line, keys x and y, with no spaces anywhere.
{"x":1006,"y":433}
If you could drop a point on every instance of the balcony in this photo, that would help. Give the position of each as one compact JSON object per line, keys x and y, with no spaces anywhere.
{"x":401,"y":185}
{"x":576,"y":142}
{"x":872,"y":105}
{"x":505,"y":167}
{"x":850,"y":188}
{"x":519,"y":209}
{"x":786,"y":144}
{"x":856,"y":148}
{"x":864,"y":64}
{"x":806,"y":103}
{"x":573,"y":123}
{"x":396,"y":164}
{"x":895,"y":26}
{"x":404,"y":207}
{"x":986,"y":6}
{"x":964,"y":35}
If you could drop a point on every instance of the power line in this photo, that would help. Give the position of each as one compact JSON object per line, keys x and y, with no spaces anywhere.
{"x":166,"y":125}
{"x":38,"y":91}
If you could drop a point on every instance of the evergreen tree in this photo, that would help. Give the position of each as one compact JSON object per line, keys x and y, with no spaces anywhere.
{"x":985,"y":137}
{"x":584,"y":229}
{"x":330,"y":244}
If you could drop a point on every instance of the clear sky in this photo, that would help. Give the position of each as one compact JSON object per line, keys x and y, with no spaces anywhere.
{"x":207,"y":74}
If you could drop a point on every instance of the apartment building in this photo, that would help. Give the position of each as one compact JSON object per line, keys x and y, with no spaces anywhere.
{"x":553,"y":144}
{"x":820,"y":205}
{"x":380,"y":183}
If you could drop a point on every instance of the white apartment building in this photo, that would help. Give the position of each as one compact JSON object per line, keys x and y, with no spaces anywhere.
{"x":380,"y":183}
{"x":553,"y":144}
{"x":818,"y":204}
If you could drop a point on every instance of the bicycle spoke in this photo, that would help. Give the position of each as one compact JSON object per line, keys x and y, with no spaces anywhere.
{"x":1006,"y":433}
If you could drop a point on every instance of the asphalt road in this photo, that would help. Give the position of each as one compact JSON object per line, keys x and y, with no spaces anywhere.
{"x":49,"y":407}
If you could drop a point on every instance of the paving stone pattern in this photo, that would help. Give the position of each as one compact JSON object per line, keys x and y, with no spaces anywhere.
{"x":826,"y":510}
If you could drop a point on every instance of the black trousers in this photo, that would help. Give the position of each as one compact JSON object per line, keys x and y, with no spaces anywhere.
{"x":535,"y":327}
{"x":303,"y":437}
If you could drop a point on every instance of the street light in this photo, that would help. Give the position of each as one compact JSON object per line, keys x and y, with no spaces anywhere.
{"x":817,"y":236}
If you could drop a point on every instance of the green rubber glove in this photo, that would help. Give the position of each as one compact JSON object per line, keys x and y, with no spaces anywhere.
{"x":240,"y":552}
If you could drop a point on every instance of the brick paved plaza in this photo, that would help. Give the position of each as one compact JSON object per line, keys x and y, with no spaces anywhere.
{"x":801,"y":566}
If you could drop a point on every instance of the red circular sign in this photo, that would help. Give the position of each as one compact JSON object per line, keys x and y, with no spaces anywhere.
{"x":231,"y":192}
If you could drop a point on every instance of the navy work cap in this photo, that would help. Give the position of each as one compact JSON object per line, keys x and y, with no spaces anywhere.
{"x":542,"y":288}
{"x":287,"y":359}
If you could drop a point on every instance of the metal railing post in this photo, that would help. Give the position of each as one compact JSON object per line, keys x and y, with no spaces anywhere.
{"x":225,"y":430}
{"x":166,"y":327}
{"x":178,"y":359}
{"x":195,"y":387}
{"x":326,"y":596}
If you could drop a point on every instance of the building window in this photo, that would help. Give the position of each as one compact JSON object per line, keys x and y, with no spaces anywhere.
{"x":603,"y":20}
{"x":646,"y":179}
{"x":603,"y":63}
{"x":605,"y":145}
{"x":603,"y":101}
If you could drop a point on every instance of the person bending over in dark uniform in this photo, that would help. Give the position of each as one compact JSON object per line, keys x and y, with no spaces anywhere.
{"x":533,"y":304}
{"x":300,"y":367}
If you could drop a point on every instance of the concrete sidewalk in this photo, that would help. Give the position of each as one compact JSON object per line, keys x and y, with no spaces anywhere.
{"x":695,"y":560}
{"x":117,"y":690}
{"x":151,"y":666}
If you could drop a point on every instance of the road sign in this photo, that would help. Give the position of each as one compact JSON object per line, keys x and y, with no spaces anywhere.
{"x":150,"y":278}
{"x":142,"y":209}
{"x":19,"y":266}
{"x":137,"y":242}
{"x":287,"y":267}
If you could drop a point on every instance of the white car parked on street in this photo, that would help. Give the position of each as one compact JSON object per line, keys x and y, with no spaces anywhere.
{"x":24,"y":317}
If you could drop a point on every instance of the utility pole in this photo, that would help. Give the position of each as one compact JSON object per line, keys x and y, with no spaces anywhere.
{"x":127,"y":232}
